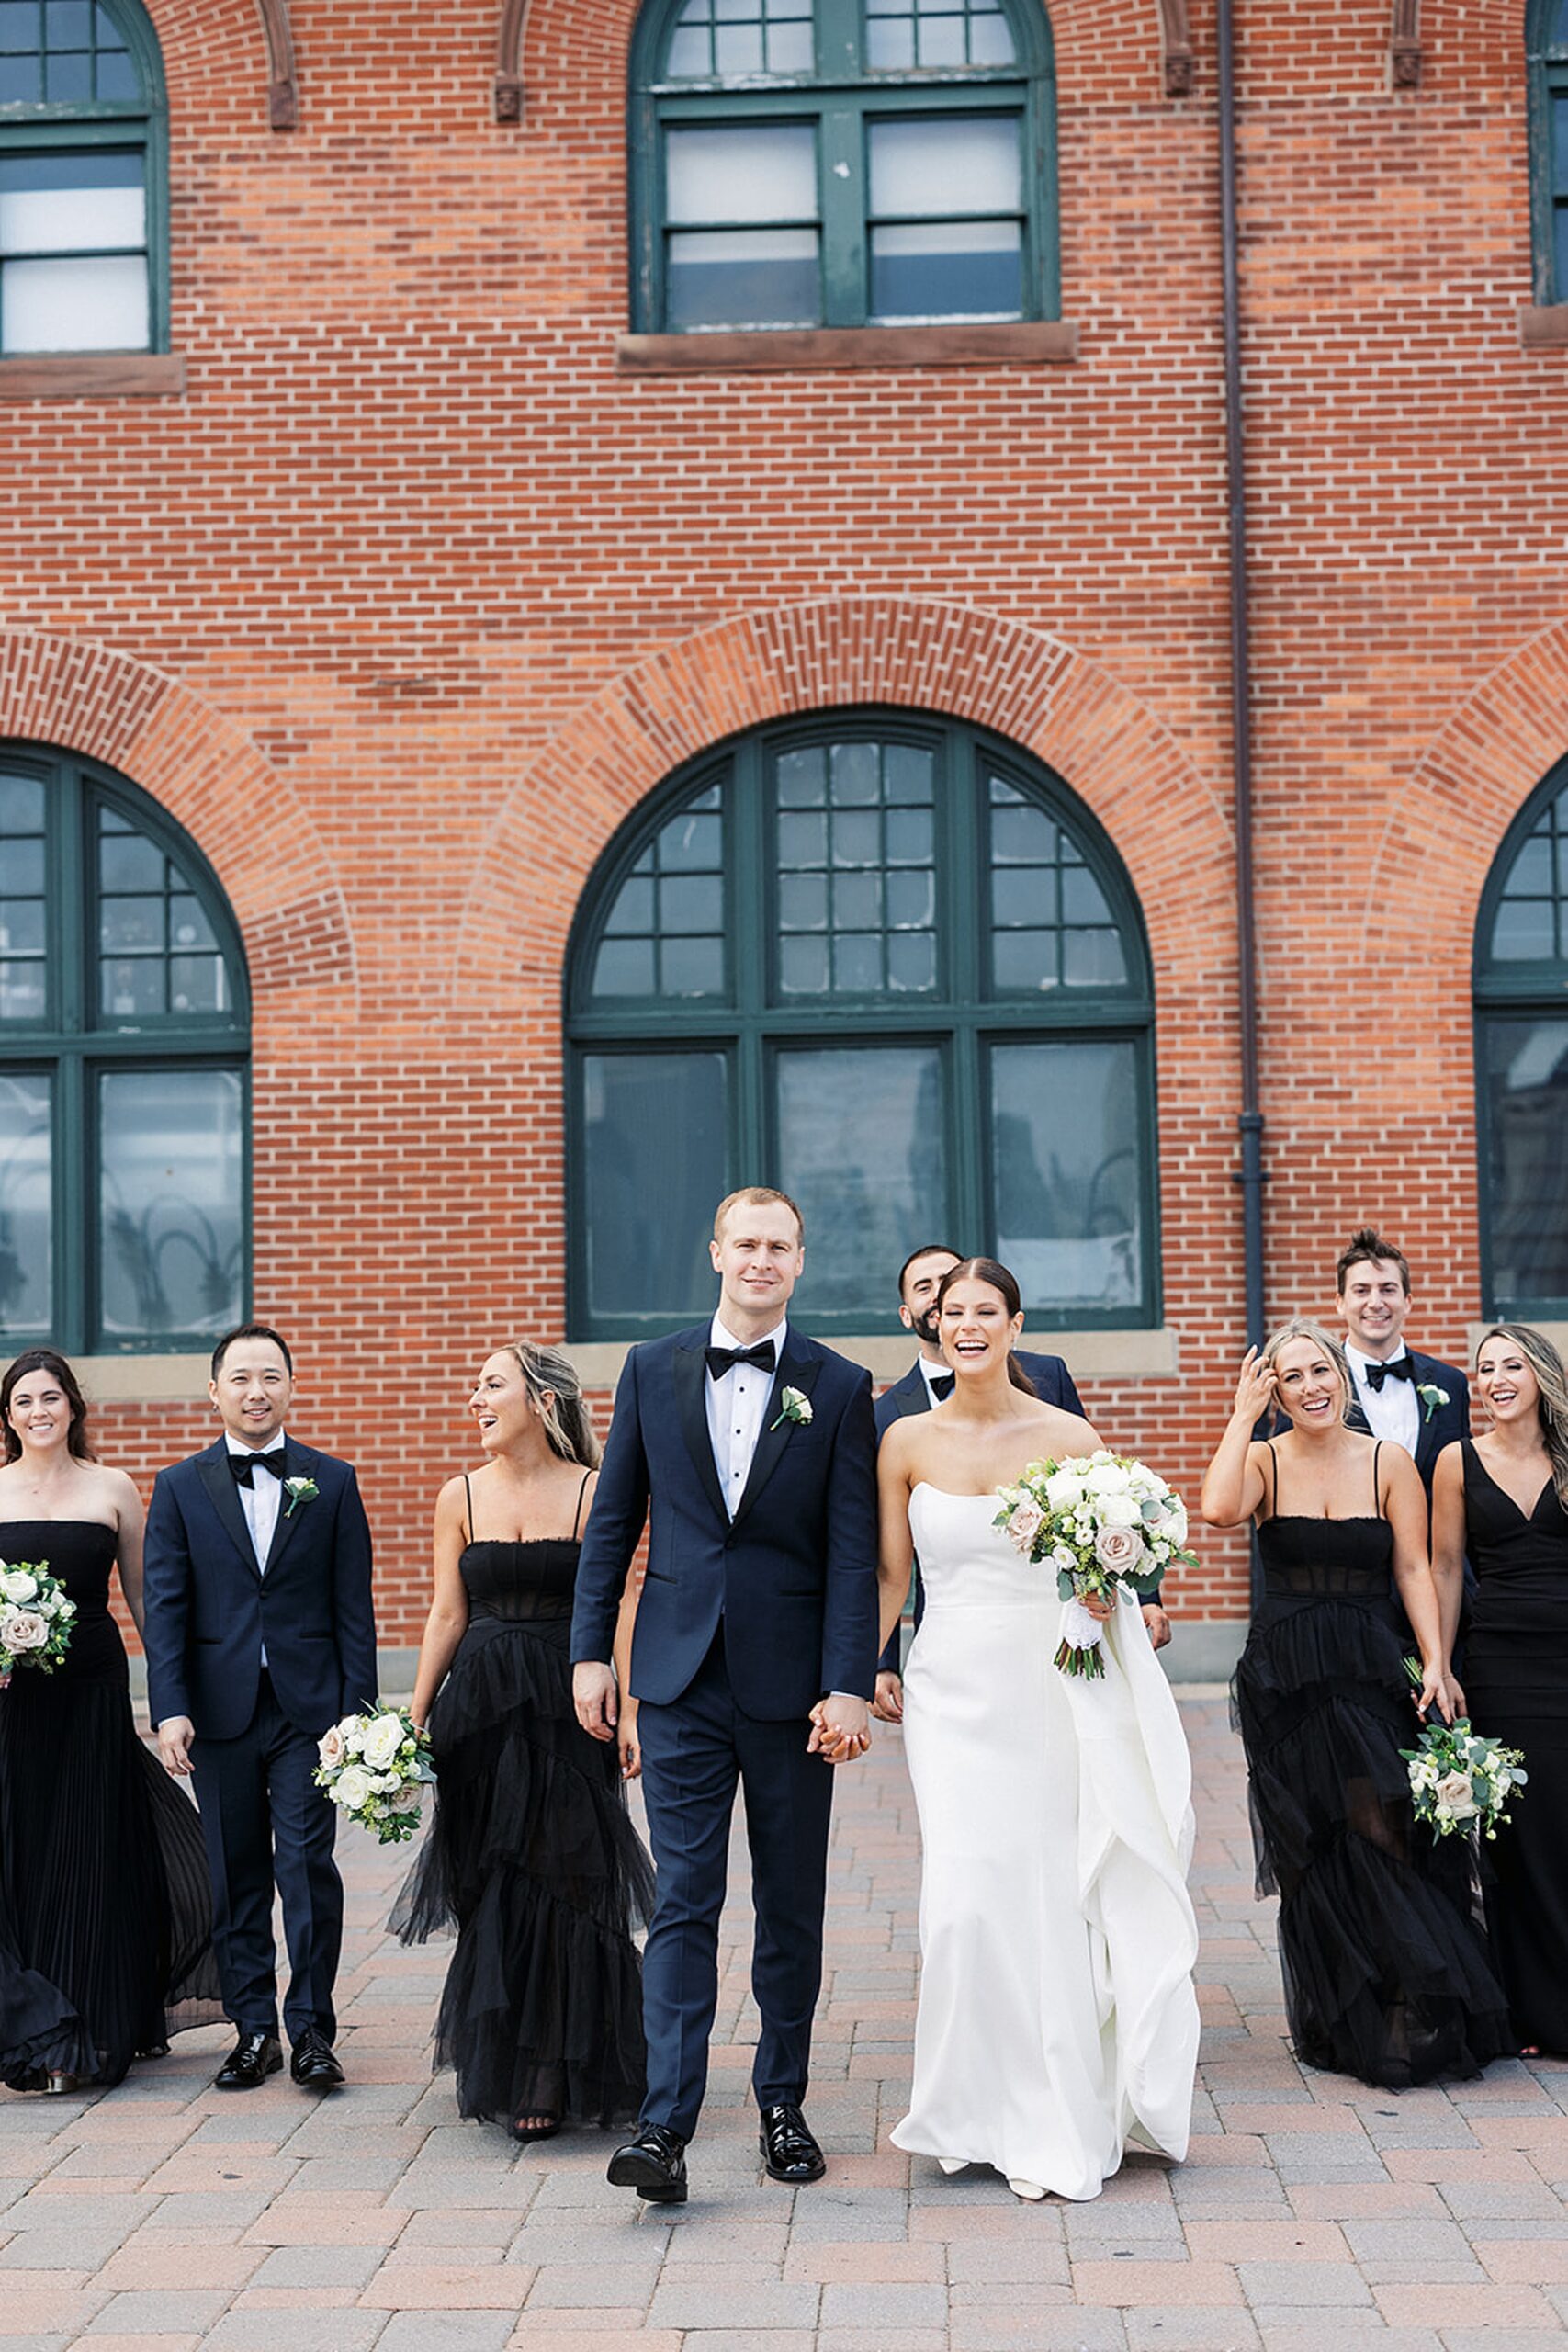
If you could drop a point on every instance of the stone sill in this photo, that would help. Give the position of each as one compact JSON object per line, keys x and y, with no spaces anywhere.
{"x":92,"y":375}
{"x":1543,"y":326}
{"x":765,"y":351}
{"x":1091,"y":1355}
{"x":143,"y":1380}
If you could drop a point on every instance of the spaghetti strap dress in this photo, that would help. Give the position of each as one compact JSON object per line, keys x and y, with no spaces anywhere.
{"x":530,"y":1854}
{"x":1387,"y":1970}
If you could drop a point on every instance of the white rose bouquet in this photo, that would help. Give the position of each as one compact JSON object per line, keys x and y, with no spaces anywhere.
{"x":1460,"y":1781}
{"x":376,"y":1769}
{"x":36,"y":1612}
{"x":1107,"y":1525}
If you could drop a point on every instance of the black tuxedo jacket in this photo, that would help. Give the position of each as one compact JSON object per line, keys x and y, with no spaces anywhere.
{"x":1440,"y":1427}
{"x":794,"y":1576}
{"x":210,"y":1611}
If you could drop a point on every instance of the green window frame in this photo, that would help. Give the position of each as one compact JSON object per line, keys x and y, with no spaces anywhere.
{"x":1521,"y":1060}
{"x":124,"y":1070}
{"x":1546,"y":52}
{"x":855,"y":233}
{"x":891,"y":964}
{"x":83,"y":179}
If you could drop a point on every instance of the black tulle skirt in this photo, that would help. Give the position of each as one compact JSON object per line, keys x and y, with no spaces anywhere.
{"x":105,"y":1903}
{"x":1387,"y":1972}
{"x":532,"y":1857}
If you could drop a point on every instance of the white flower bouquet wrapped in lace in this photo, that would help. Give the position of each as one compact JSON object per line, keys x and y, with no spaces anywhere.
{"x":36,"y":1612}
{"x":1106,"y":1526}
{"x":376,"y":1769}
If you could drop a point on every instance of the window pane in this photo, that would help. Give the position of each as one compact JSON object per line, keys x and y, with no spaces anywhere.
{"x":23,"y":969}
{"x":152,"y":930}
{"x":741,"y":37}
{"x":25,"y":1204}
{"x":745,"y":278}
{"x":1525,"y":1067}
{"x":1051,"y":922}
{"x":664,"y":933}
{"x":749,"y":172}
{"x":1560,"y":145}
{"x":860,"y":1148}
{"x":74,"y":203}
{"x":950,"y":32}
{"x":655,"y":1128}
{"x":951,"y":269}
{"x":171,"y":1161}
{"x":1066,"y":1160}
{"x":73,"y":306}
{"x":925,"y":166}
{"x":859,"y":864}
{"x":1530,"y":924}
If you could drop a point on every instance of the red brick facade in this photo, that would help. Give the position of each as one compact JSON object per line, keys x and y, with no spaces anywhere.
{"x":410,"y":597}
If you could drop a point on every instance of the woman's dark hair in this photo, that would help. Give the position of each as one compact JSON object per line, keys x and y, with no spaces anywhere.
{"x":45,"y":1360}
{"x":996,"y":1277}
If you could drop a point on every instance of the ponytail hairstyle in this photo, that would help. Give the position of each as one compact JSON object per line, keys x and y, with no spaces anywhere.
{"x":45,"y":1360}
{"x":995,"y":1277}
{"x":552,"y":1382}
{"x":1553,"y":1403}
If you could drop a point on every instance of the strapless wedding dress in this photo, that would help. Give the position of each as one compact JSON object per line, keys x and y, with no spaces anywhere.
{"x":1058,"y":2021}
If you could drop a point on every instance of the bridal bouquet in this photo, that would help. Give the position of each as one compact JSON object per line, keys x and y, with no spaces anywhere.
{"x":1106,"y":1525}
{"x":35,"y":1617}
{"x":376,"y":1769}
{"x":1458,"y":1780}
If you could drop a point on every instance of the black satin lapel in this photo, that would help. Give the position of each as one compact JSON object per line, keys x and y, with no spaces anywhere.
{"x":219,"y":1480}
{"x":916,"y":1398}
{"x":295,"y":1464}
{"x":690,"y":1373}
{"x":795,"y":1371}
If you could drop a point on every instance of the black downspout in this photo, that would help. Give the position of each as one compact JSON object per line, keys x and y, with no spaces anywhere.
{"x":1250,"y":1122}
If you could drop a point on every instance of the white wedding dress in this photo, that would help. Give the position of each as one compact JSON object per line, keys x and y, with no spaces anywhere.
{"x":1057,"y":2019}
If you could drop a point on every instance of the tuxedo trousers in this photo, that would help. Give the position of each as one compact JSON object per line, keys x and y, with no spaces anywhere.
{"x":267,"y":1824}
{"x":696,"y":1752}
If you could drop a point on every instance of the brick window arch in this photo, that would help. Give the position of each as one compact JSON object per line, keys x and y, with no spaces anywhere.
{"x":1521,"y":1004}
{"x":891,"y":964}
{"x":124,"y":1068}
{"x":843,"y":163}
{"x":83,"y":179}
{"x":1546,"y":46}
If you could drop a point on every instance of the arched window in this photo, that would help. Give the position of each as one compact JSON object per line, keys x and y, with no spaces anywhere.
{"x":1546,"y":39}
{"x":893,"y":966}
{"x":843,"y":163}
{"x":83,"y":178}
{"x":1521,"y":1007}
{"x":124,"y":1030}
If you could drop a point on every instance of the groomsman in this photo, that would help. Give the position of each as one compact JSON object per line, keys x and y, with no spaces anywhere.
{"x":259,"y":1634}
{"x":1413,"y":1400}
{"x":927,"y":1383}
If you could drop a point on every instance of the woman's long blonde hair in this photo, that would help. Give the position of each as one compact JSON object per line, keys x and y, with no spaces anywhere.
{"x":552,"y":1382}
{"x":1553,"y":1380}
{"x":1302,"y":1327}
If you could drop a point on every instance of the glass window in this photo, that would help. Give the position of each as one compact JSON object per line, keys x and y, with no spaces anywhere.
{"x":711,"y":39}
{"x":1547,"y":60}
{"x":123,"y":1037}
{"x":865,"y":1042}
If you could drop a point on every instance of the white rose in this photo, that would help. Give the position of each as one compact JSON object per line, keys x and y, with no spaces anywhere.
{"x":352,"y":1789}
{"x":1453,"y":1792}
{"x":1063,"y":1492}
{"x":1119,"y":1511}
{"x":352,"y":1728}
{"x":23,"y":1629}
{"x":383,"y":1737}
{"x":1119,"y":1550}
{"x":330,"y":1748}
{"x":407,"y":1799}
{"x":1106,"y":1478}
{"x":16,"y":1585}
{"x":1175,"y":1526}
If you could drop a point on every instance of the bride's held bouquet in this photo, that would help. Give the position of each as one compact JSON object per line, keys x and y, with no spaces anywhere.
{"x":36,"y":1612}
{"x":376,"y":1769}
{"x":1107,"y":1525}
{"x":1460,"y":1779}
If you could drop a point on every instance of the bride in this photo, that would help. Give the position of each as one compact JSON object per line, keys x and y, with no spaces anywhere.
{"x":1057,"y":2022}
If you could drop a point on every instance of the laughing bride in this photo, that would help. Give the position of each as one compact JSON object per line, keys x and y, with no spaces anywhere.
{"x":1057,"y":2021}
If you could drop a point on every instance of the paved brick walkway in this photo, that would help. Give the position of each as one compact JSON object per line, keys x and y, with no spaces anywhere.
{"x":1313,"y":2216}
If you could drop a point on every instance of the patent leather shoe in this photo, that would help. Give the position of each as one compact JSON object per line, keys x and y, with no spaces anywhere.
{"x":654,"y":2164}
{"x":253,"y":2057}
{"x":311,"y":2061}
{"x":789,"y":2150}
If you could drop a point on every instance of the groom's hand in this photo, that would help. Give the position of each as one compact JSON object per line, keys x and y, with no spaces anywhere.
{"x":1157,"y":1622}
{"x":593,"y":1696}
{"x":175,"y":1735}
{"x":840,"y":1728}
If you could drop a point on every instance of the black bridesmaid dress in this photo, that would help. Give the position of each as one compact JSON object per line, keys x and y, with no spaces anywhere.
{"x":106,"y":1912}
{"x":1386,"y":1969}
{"x":530,"y":1854}
{"x":1516,"y":1684}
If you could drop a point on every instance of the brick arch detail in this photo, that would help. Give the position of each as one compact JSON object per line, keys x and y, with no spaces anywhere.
{"x":207,"y":774}
{"x":283,"y":87}
{"x":1167,"y":823}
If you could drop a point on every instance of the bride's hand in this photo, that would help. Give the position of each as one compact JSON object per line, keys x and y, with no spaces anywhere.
{"x":1102,"y":1609}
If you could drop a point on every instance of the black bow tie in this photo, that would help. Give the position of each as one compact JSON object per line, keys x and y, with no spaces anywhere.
{"x":942,"y":1385}
{"x":723,"y":1360}
{"x":1397,"y":1368}
{"x":244,"y":1466}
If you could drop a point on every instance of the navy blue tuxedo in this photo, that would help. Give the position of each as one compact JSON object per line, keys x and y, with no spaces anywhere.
{"x":741,"y":1626}
{"x":1444,"y":1425}
{"x":211,"y":1611}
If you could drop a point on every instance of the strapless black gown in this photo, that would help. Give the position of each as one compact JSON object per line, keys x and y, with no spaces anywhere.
{"x":105,"y":1912}
{"x":532,"y":1856}
{"x":1516,"y":1684}
{"x":1386,"y":1968}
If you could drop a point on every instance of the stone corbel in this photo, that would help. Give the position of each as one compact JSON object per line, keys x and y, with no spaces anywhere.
{"x":1175,"y":49}
{"x":1404,"y":46}
{"x":509,"y":61}
{"x":283,"y":87}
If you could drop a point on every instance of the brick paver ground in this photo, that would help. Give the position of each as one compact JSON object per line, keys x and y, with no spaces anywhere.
{"x":1313,"y":2215}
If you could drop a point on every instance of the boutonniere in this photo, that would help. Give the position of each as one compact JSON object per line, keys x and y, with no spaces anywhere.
{"x":299,"y":1490}
{"x":1431,"y":1396}
{"x":792,"y":1407}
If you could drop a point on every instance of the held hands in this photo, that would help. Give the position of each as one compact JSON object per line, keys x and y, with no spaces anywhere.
{"x":594,"y":1696}
{"x":888,"y":1704}
{"x":1257,"y":1390}
{"x":174,"y":1736}
{"x":841,"y":1729}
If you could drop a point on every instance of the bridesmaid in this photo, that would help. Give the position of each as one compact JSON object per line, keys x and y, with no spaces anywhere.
{"x":105,"y":1911}
{"x":1502,"y":1498}
{"x":531,"y":1854}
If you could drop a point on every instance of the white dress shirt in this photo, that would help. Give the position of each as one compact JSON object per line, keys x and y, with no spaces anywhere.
{"x":261,"y":1501}
{"x":738,"y":1404}
{"x":1393,"y":1411}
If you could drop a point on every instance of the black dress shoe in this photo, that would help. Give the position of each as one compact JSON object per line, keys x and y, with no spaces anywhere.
{"x":654,"y":2164}
{"x":311,"y":2061}
{"x":253,"y":2057}
{"x":789,"y":2152}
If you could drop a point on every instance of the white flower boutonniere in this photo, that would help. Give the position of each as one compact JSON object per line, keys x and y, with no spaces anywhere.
{"x":299,"y":1490}
{"x":792,"y":1407}
{"x":1431,"y":1396}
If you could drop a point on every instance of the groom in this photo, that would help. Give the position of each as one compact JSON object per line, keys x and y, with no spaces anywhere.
{"x":753,"y":1658}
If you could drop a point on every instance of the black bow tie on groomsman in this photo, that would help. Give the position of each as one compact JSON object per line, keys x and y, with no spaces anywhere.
{"x":723,"y":1360}
{"x":1397,"y":1368}
{"x":244,"y":1466}
{"x":942,"y":1385}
